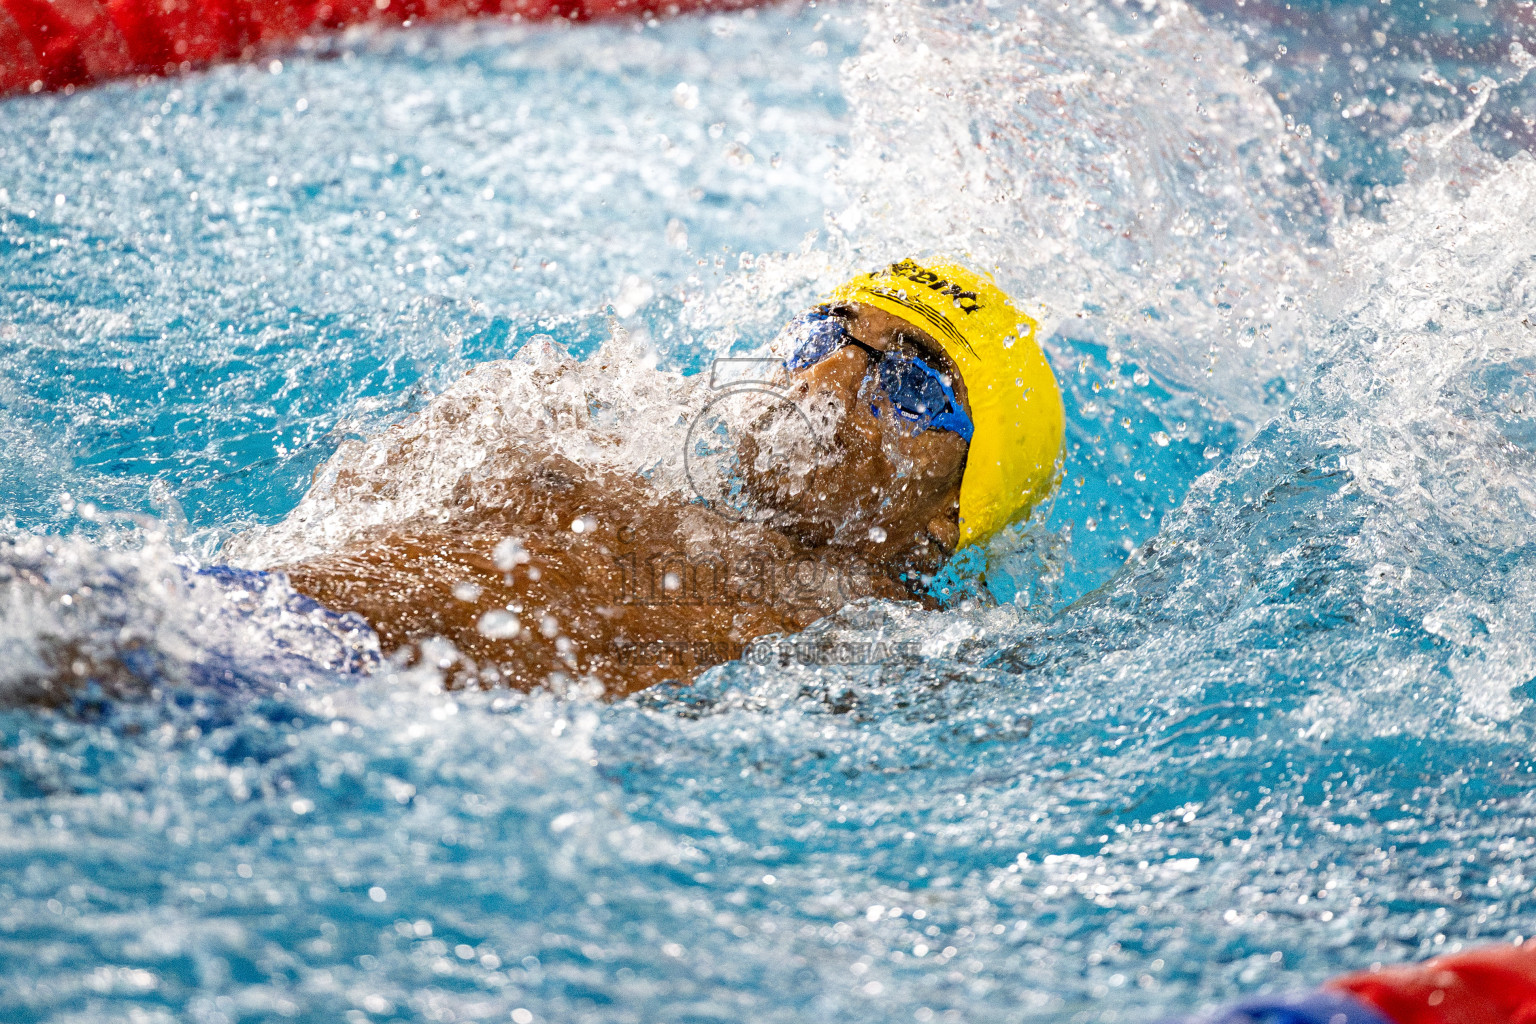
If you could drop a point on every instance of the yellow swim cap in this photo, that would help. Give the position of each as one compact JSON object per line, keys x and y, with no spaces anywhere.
{"x":1015,"y":402}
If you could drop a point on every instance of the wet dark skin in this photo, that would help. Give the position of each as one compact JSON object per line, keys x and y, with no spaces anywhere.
{"x":651,"y":588}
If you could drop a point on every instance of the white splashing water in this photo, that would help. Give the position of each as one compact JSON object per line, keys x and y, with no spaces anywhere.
{"x":1117,"y":168}
{"x":485,"y":426}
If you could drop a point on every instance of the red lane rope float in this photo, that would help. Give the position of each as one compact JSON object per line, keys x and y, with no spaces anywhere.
{"x":57,"y":44}
{"x":1495,"y":985}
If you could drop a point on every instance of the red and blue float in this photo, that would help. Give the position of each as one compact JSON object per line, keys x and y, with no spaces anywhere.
{"x":61,"y":44}
{"x":1494,"y":985}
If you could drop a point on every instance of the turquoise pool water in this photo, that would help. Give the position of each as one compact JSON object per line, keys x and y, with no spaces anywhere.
{"x":1256,"y":707}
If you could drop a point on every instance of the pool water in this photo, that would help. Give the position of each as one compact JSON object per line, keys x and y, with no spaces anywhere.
{"x":1255,"y":706}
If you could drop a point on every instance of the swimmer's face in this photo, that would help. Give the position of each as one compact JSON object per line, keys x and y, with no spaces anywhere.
{"x":878,"y":484}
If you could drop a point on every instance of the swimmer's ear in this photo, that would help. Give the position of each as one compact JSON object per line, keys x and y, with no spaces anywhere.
{"x":944,"y":530}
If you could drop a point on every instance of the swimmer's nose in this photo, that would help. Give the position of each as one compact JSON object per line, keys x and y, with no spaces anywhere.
{"x":843,"y":370}
{"x":841,"y":376}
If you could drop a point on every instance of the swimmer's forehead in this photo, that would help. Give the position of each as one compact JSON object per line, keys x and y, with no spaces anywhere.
{"x":884,"y":326}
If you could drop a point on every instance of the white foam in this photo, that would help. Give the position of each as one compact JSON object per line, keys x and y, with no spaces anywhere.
{"x":612,"y":412}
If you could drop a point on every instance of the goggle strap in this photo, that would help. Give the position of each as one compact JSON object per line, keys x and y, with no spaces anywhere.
{"x":954,"y":419}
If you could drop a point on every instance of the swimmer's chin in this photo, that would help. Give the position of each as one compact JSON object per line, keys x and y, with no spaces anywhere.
{"x":789,"y":508}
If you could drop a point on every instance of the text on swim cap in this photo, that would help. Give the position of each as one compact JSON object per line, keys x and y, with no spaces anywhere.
{"x":969,"y":302}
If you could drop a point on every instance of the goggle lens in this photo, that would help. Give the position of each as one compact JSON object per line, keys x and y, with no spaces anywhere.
{"x":916,"y":390}
{"x":815,"y":336}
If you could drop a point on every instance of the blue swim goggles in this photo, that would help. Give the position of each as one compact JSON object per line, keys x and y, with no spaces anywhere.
{"x":916,"y":390}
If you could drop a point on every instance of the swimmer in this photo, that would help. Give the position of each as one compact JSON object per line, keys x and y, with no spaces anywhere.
{"x":943,"y":425}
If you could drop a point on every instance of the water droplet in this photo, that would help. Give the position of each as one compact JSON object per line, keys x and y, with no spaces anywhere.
{"x":677,"y":234}
{"x":509,"y":554}
{"x":499,"y":624}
